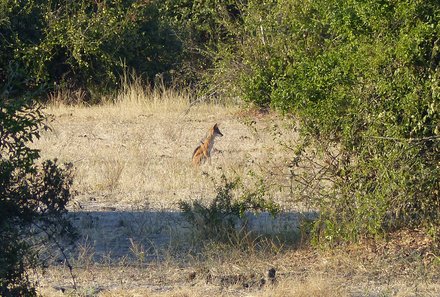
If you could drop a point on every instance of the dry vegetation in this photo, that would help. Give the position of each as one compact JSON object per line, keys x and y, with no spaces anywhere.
{"x":137,"y":153}
{"x":132,"y":164}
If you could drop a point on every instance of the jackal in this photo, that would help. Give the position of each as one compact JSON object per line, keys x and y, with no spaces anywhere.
{"x":203,"y":151}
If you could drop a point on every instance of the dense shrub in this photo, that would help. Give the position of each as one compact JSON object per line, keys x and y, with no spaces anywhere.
{"x":82,"y":44}
{"x":88,"y":45}
{"x":363,"y":78}
{"x":33,"y":198}
{"x":203,"y":26}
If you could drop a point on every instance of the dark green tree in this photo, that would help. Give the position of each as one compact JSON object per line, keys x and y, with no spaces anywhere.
{"x":83,"y":45}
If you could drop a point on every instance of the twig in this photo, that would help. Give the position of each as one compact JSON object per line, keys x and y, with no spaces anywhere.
{"x":62,"y":252}
{"x":199,"y":99}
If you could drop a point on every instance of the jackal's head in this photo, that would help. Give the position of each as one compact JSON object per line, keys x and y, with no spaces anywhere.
{"x":216,"y":131}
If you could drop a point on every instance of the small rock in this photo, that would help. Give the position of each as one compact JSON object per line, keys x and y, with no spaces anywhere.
{"x":271,"y":275}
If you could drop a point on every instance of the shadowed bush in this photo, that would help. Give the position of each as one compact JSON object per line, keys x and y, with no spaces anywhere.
{"x":82,"y":45}
{"x":33,"y":198}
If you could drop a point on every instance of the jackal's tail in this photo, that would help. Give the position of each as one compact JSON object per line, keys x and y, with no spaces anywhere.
{"x":197,"y":156}
{"x":195,"y":151}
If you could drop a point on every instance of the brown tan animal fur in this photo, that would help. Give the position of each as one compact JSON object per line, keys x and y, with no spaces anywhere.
{"x":203,"y":151}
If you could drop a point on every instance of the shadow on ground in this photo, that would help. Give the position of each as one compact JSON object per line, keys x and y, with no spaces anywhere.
{"x":148,"y":234}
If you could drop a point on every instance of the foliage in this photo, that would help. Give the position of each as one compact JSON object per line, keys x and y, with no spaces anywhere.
{"x":87,"y":45}
{"x":363,"y":79}
{"x":82,"y":44}
{"x":219,"y":220}
{"x":203,"y":26}
{"x":32,"y":197}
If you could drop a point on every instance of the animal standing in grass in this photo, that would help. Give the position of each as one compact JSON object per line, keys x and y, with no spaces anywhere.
{"x":203,"y":151}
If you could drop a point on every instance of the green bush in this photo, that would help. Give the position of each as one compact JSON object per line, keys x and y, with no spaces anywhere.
{"x":33,"y":198}
{"x":363,"y":79}
{"x":87,"y":45}
{"x":83,"y":44}
{"x":201,"y":25}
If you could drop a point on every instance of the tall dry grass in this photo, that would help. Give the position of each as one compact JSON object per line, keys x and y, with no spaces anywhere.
{"x":134,"y":150}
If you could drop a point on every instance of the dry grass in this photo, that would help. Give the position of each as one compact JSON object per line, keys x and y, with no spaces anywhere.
{"x":289,"y":288}
{"x":136,"y":153}
{"x":313,"y":287}
{"x":304,"y":272}
{"x":132,"y":155}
